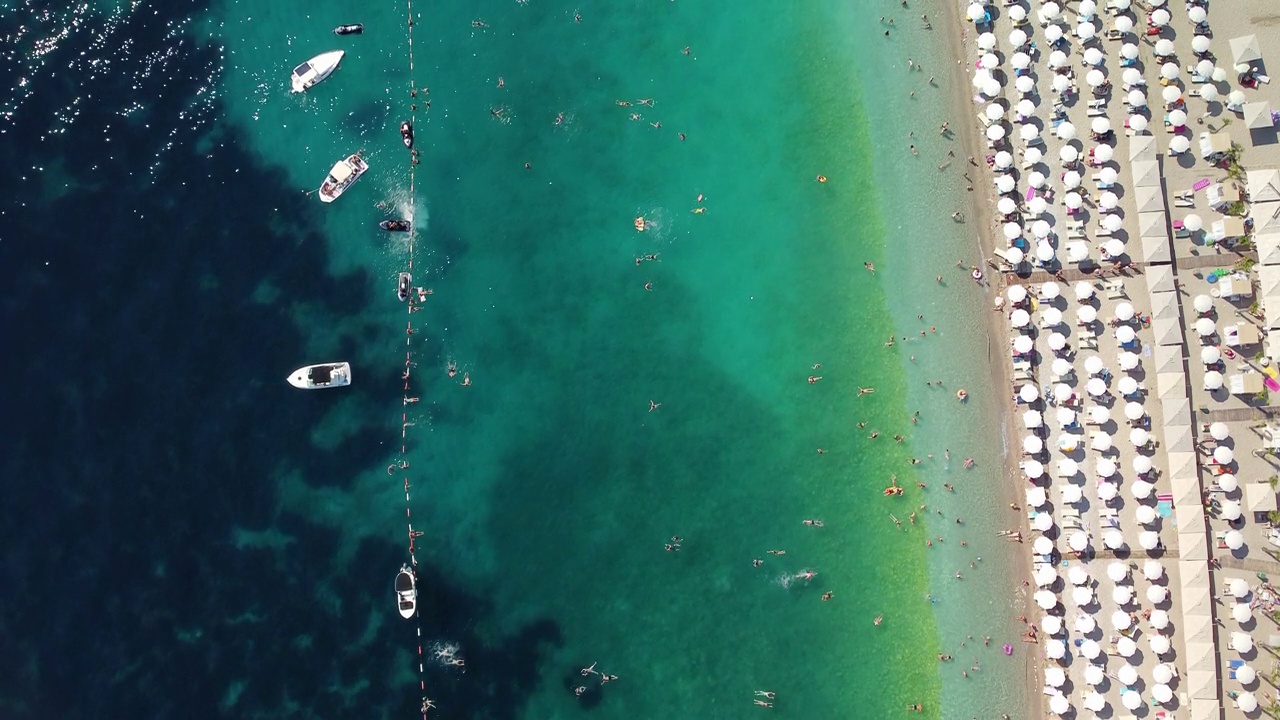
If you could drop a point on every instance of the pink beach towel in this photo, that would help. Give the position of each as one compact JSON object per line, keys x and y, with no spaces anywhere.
{"x":1201,"y":184}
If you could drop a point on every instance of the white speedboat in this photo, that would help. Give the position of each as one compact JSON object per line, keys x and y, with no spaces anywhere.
{"x":343,"y":175}
{"x":406,"y":592}
{"x":319,"y":377}
{"x":316,"y":69}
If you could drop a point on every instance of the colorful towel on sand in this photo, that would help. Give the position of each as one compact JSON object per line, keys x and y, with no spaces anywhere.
{"x":1201,"y":184}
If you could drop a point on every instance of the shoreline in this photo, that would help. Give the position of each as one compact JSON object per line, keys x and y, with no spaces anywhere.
{"x":960,"y":46}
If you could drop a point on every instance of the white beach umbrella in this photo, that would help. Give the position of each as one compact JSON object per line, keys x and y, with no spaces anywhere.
{"x":1212,"y":380}
{"x":1073,"y":201}
{"x":1107,"y":200}
{"x":1090,"y":648}
{"x":1019,"y":318}
{"x":1036,"y":497}
{"x":1142,"y":464}
{"x":1103,"y":153}
{"x":988,"y":61}
{"x":1100,"y":125}
{"x":1241,"y":613}
{"x":976,"y":13}
{"x":1247,"y":702}
{"x":1205,"y":327}
{"x":1210,"y":355}
{"x":1137,"y":123}
{"x":1025,"y":84}
{"x":1105,"y":467}
{"x":995,"y":133}
{"x":1012,"y":231}
{"x":1085,"y":31}
{"x":1065,"y":131}
{"x":1032,"y":444}
{"x":1127,"y":674}
{"x":1197,"y":14}
{"x":1093,"y":56}
{"x":1094,"y":675}
{"x":1095,"y":701}
{"x":1177,"y":118}
{"x":1219,"y":431}
{"x":1162,"y":673}
{"x":1152,"y":569}
{"x":1159,"y":620}
{"x":1006,"y":205}
{"x":1130,"y":699}
{"x":1077,"y":574}
{"x":1026,"y":109}
{"x":1200,"y":43}
{"x":1050,"y":290}
{"x":1096,"y":386}
{"x":1160,"y":17}
{"x":1017,"y":38}
{"x":1233,"y":540}
{"x":1205,"y":68}
{"x":1128,"y":360}
{"x":1085,"y":623}
{"x":1112,"y":223}
{"x":1051,"y":316}
{"x":986,"y":41}
{"x":1124,"y":24}
{"x":1041,"y":229}
{"x":1036,"y":179}
{"x":1115,"y":249}
{"x":1246,"y":674}
{"x":1079,"y":540}
{"x":1060,"y":83}
{"x":1241,"y":642}
{"x":1042,"y":545}
{"x":1054,"y":676}
{"x":1046,"y":600}
{"x":1020,"y":61}
{"x":1113,"y":539}
{"x":1137,"y":98}
{"x":1016,"y":293}
{"x":1235,"y":98}
{"x":1148,"y":539}
{"x":1223,"y":455}
{"x":1056,"y":341}
{"x":1202,"y":303}
{"x":1231,"y":510}
{"x":1171,"y":93}
{"x":1179,"y":144}
{"x":1059,"y":704}
{"x":1161,"y":693}
{"x":1044,"y":251}
{"x":1164,"y":47}
{"x":1139,"y":437}
{"x":1061,"y":367}
{"x":1068,"y":154}
{"x":1126,"y":647}
{"x":1071,"y":179}
{"x":1157,"y":593}
{"x":1050,"y":10}
{"x":1141,"y":489}
{"x":1129,"y":51}
{"x":1134,"y":411}
{"x":1094,"y":365}
{"x":1057,"y":59}
{"x":1033,"y":468}
{"x":1084,"y":290}
{"x":1109,"y":176}
{"x":1145,"y":514}
{"x":1013,"y":255}
{"x":1067,"y":467}
{"x":1169,"y":71}
{"x":1086,"y":314}
{"x":1128,"y":386}
{"x":1051,"y":624}
{"x":1228,"y":482}
{"x":1082,"y":597}
{"x":1219,"y":75}
{"x":1087,"y":9}
{"x":1003,"y":159}
{"x":1121,"y":594}
{"x":1159,"y":643}
{"x":1071,"y":493}
{"x":1124,"y":311}
{"x":1005,"y":183}
{"x":1100,"y":442}
{"x":1053,"y":33}
{"x":1238,"y":587}
{"x":1023,"y":344}
{"x":1117,"y":571}
{"x":1131,"y":76}
{"x":1029,"y":393}
{"x":1043,"y":522}
{"x":1095,"y":77}
{"x":1031,"y":419}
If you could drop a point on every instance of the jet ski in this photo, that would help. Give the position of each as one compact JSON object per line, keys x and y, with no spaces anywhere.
{"x":395,"y":225}
{"x":406,"y":133}
{"x":402,"y":289}
{"x":353,"y":29}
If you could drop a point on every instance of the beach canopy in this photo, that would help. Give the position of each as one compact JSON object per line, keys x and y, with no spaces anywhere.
{"x":1228,"y":482}
{"x":1223,"y":455}
{"x":1023,"y":344}
{"x":1101,"y":442}
{"x":1219,"y":431}
{"x":1059,"y":704}
{"x":1159,"y":643}
{"x":1241,"y":642}
{"x":1245,"y":49}
{"x":1145,"y":514}
{"x":1246,"y":674}
{"x":1247,"y":702}
{"x":1233,"y":540}
{"x":1093,"y":56}
{"x":1084,"y":290}
{"x":1128,"y":360}
{"x":1033,"y":469}
{"x":1164,"y":47}
{"x":1078,"y":541}
{"x":1124,"y":333}
{"x":1094,"y":675}
{"x":1238,"y":587}
{"x":1213,"y":380}
{"x":1105,"y":467}
{"x":1142,"y":464}
{"x":1045,"y":599}
{"x":1200,"y":43}
{"x":1086,"y":314}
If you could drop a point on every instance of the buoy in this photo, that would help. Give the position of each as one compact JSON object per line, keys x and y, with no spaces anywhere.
{"x":977,"y":273}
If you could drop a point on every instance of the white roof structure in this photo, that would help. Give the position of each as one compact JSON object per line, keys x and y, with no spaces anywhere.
{"x":1160,"y":277}
{"x":1145,"y":174}
{"x":1263,"y":185}
{"x":1155,"y":249}
{"x":1168,"y":332}
{"x":1171,"y":385}
{"x":1183,"y":465}
{"x":1259,"y":497}
{"x":1245,"y":49}
{"x":1168,"y":358}
{"x":1268,"y":281}
{"x":1164,"y":305}
{"x":1268,"y":248}
{"x":1257,"y":115}
{"x":1266,"y":217}
{"x":1142,"y":148}
{"x":1149,"y":199}
{"x":1153,"y":224}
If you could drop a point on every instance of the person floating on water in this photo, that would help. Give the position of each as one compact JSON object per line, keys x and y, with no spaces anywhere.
{"x":762,"y":703}
{"x":879,"y":619}
{"x":827,"y":595}
{"x":589,"y":670}
{"x":813,"y":379}
{"x":865,"y":391}
{"x":654,"y":405}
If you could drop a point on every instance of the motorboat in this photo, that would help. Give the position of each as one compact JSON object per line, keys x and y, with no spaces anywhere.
{"x":395,"y":225}
{"x":352,"y":29}
{"x":406,"y":592}
{"x":403,"y":286}
{"x":343,"y":175}
{"x":319,"y":377}
{"x":406,"y":133}
{"x":316,"y":69}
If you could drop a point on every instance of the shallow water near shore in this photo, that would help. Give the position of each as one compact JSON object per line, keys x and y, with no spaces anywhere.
{"x":248,"y":534}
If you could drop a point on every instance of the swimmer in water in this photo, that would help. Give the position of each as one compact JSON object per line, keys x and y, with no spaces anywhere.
{"x":827,"y":595}
{"x":453,"y":368}
{"x":622,"y":103}
{"x":879,"y":619}
{"x":869,"y":266}
{"x":654,"y":405}
{"x":560,"y":118}
{"x":865,"y":391}
{"x":756,"y":562}
{"x":466,"y":379}
{"x":776,"y":552}
{"x":681,"y":135}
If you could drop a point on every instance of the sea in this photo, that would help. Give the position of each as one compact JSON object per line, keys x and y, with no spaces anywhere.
{"x":612,"y":438}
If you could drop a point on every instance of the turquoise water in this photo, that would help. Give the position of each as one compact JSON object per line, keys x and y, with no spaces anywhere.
{"x":547,"y":488}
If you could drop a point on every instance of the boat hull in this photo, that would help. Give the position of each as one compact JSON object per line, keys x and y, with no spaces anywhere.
{"x":322,"y":376}
{"x":344,"y":174}
{"x":314,"y":71}
{"x":406,"y":593}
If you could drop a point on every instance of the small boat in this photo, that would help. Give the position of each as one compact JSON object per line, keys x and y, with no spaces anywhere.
{"x":403,"y":286}
{"x":352,"y":29}
{"x":343,"y":175}
{"x":395,"y":225}
{"x":319,"y":377}
{"x":406,"y":133}
{"x":316,"y":69}
{"x":406,"y":592}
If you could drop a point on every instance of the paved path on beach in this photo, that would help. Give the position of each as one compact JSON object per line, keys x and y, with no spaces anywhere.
{"x":1245,"y":413}
{"x":1217,"y":259}
{"x":1270,"y":565}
